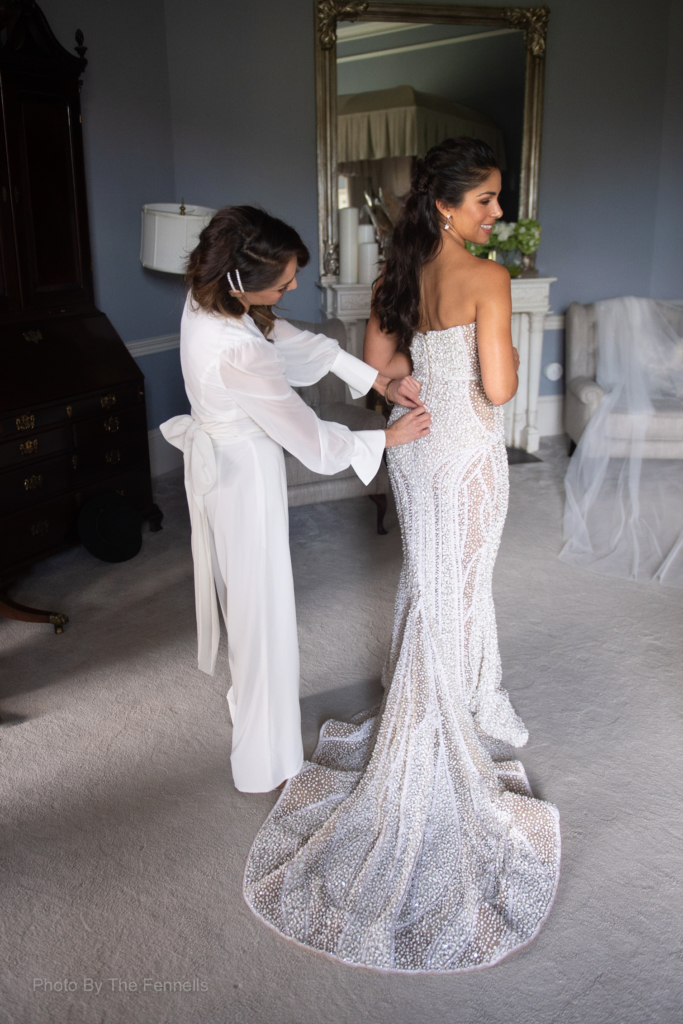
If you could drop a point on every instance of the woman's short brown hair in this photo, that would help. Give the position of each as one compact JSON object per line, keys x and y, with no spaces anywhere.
{"x":247,"y":239}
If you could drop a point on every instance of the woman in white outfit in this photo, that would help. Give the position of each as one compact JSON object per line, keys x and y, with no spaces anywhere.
{"x":239,"y":370}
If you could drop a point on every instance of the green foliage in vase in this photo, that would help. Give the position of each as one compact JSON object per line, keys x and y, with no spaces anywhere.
{"x":527,"y":235}
{"x":510,"y":240}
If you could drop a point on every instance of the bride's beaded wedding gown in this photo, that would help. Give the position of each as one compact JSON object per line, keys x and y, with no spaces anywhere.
{"x":411,"y":841}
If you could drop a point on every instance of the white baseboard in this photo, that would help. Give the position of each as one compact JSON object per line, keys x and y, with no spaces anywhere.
{"x":550,"y":415}
{"x":150,"y":346}
{"x":163,"y":457}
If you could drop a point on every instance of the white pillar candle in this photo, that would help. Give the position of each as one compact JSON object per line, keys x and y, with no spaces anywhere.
{"x":368,"y":254}
{"x":348,"y":245}
{"x":366,"y":233}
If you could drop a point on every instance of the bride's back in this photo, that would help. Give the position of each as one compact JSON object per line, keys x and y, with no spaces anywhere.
{"x":431,"y":281}
{"x":454,"y":287}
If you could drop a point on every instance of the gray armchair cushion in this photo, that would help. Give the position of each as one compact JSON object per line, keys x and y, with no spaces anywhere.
{"x":665,"y":425}
{"x":580,"y":335}
{"x":664,"y":434}
{"x":355,"y":417}
{"x":587,"y":391}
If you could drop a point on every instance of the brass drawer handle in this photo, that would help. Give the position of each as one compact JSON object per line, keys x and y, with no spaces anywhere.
{"x":112,"y":424}
{"x":31,"y":483}
{"x":69,"y":411}
{"x":29,"y":447}
{"x":40,"y":529}
{"x":26,"y":422}
{"x":108,"y":401}
{"x":113,"y":456}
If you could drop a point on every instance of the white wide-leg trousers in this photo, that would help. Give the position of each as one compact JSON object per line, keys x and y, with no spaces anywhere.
{"x":248,"y":515}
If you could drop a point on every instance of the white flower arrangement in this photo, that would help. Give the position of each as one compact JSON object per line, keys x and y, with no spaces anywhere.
{"x":513,"y":240}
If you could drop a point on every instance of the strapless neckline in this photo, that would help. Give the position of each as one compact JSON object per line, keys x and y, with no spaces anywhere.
{"x":444,"y":330}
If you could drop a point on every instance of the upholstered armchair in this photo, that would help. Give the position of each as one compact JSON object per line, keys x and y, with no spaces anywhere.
{"x":664,"y":436}
{"x":329,"y":400}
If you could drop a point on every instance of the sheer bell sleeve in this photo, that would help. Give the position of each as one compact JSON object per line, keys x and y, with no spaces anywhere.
{"x":308,"y":357}
{"x":253,"y":372}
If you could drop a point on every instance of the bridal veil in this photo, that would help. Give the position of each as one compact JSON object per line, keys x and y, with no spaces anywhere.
{"x":624,"y":487}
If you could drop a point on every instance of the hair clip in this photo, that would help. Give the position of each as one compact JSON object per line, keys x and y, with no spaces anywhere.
{"x":239,"y":282}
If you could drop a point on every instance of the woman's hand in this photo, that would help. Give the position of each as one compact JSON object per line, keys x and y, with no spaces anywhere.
{"x":409,"y":428}
{"x":405,"y":391}
{"x":515,"y":356}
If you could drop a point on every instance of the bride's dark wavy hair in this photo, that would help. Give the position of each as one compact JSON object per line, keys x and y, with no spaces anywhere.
{"x":247,"y":239}
{"x":446,"y":173}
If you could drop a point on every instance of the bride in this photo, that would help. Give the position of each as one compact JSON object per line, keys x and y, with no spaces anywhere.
{"x":412,"y":841}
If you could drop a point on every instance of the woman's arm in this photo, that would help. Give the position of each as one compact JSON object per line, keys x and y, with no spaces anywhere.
{"x":253,"y":374}
{"x":497,"y":357}
{"x":308,"y":357}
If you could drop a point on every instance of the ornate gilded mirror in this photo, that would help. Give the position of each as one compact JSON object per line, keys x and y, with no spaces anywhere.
{"x":409,"y":75}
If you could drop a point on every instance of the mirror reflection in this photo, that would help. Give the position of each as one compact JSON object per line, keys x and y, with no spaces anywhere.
{"x":403,"y":88}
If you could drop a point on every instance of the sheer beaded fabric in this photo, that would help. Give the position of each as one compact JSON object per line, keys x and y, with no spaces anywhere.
{"x":411,"y":841}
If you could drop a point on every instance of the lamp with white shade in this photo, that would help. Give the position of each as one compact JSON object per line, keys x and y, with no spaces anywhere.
{"x":169,"y":234}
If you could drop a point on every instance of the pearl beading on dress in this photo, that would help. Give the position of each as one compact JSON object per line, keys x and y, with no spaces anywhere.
{"x":411,"y":841}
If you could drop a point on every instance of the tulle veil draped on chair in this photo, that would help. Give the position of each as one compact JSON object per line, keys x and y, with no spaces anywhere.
{"x":624,"y":487}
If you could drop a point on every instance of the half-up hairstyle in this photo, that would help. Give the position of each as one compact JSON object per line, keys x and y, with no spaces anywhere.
{"x":249,"y":240}
{"x":446,"y":173}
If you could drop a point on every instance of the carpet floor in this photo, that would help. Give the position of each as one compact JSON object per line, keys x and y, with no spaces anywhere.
{"x":124,"y":841}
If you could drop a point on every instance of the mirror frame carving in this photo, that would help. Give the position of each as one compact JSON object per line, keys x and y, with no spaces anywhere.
{"x":533,"y":21}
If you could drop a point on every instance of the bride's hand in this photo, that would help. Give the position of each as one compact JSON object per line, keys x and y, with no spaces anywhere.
{"x":405,"y":391}
{"x":408,"y":428}
{"x":515,"y":357}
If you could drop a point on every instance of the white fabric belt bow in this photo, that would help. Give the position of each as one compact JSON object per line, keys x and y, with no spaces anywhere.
{"x":196,"y":441}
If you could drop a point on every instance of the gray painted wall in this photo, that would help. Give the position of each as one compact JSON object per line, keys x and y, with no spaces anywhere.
{"x":243,"y":108}
{"x":601,"y":147}
{"x":667,"y":271}
{"x":219,"y":107}
{"x":128,"y":150}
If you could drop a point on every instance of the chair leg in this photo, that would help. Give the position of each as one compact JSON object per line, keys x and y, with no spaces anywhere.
{"x":154,"y":515}
{"x":380,"y":501}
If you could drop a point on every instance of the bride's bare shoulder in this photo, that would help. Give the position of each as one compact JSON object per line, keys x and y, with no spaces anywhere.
{"x":489,"y":275}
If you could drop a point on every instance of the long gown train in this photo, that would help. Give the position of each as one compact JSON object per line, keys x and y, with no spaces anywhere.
{"x":411,"y":841}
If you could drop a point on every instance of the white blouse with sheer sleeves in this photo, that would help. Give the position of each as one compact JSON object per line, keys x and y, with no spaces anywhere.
{"x":308,"y":357}
{"x":239,"y":385}
{"x":253,"y":373}
{"x":222,"y":361}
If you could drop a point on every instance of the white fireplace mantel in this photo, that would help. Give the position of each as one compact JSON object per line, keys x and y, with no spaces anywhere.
{"x":530,"y":306}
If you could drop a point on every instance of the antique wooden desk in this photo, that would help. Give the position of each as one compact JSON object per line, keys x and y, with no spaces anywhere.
{"x":72,"y":401}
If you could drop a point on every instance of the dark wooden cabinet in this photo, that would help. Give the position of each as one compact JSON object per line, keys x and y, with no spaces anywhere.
{"x":72,"y":401}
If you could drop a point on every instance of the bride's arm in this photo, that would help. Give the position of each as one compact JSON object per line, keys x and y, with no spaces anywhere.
{"x":379,"y":351}
{"x":497,"y":357}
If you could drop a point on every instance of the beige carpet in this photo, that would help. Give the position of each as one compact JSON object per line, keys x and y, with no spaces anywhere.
{"x":123,"y":839}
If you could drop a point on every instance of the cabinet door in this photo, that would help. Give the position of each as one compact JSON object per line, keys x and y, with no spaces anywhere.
{"x":48,"y":190}
{"x":10,"y":296}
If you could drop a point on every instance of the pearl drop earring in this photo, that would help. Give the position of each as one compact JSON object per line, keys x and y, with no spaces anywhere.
{"x":447,"y":225}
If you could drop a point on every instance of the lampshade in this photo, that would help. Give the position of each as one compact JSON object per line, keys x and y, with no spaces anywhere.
{"x":170,"y":233}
